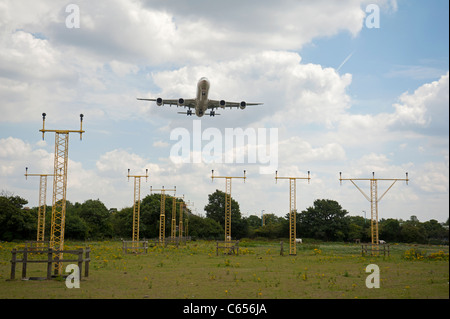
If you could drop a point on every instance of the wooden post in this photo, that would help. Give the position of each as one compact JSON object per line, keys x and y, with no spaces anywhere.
{"x":24,"y":263}
{"x":281,"y":249}
{"x":49,"y":263}
{"x":86,"y":262}
{"x":13,"y":263}
{"x":217,"y":248}
{"x":237,"y":248}
{"x":80,"y":261}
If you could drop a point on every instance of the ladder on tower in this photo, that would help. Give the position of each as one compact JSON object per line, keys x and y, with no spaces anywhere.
{"x":136,"y":204}
{"x":42,"y":204}
{"x":61,"y":159}
{"x":292,"y":210}
{"x":227,"y":223}
{"x":374,"y":200}
{"x":162,"y":215}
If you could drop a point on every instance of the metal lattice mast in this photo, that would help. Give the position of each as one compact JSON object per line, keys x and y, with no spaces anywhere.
{"x":42,"y":203}
{"x":162,"y":215}
{"x":173,"y":224}
{"x":59,"y":188}
{"x":292,"y":210}
{"x":227,"y":203}
{"x":186,"y":226}
{"x":136,"y":204}
{"x":374,"y":200}
{"x":173,"y":229}
{"x":180,"y":222}
{"x":374,"y":211}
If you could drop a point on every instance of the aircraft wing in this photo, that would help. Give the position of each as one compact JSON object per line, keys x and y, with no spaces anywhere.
{"x":187,"y":102}
{"x":212,"y":104}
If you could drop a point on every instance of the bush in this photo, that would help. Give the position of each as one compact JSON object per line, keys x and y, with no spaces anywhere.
{"x":413,"y":254}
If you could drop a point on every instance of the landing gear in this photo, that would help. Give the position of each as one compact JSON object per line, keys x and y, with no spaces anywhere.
{"x":189,"y":112}
{"x":212,"y":113}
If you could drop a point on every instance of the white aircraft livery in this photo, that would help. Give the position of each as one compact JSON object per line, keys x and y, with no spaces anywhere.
{"x":201,"y":103}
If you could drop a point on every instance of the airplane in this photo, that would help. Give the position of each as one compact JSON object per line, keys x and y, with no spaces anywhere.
{"x":201,"y":103}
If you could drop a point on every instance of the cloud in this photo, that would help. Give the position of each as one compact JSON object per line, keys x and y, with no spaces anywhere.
{"x":295,"y":150}
{"x":155,"y":32}
{"x":119,"y":161}
{"x":427,"y":106}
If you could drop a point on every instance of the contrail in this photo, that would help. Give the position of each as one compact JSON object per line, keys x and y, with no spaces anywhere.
{"x":346,"y":59}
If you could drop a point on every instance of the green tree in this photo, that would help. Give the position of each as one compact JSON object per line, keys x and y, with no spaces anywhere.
{"x":413,"y":231}
{"x":389,"y":230}
{"x":97,"y":218}
{"x":206,"y":228}
{"x":122,"y":223}
{"x":435,"y":232}
{"x":215,"y":209}
{"x":325,"y":220}
{"x":15,"y":221}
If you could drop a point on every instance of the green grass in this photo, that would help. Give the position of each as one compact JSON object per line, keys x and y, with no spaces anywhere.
{"x":320,"y":270}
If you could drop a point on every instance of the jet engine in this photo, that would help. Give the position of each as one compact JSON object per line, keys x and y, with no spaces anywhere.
{"x":159,"y":101}
{"x":243,"y":105}
{"x":180,"y":102}
{"x":222,"y":103}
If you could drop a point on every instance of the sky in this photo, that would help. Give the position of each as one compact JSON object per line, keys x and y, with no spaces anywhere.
{"x":348,"y":86}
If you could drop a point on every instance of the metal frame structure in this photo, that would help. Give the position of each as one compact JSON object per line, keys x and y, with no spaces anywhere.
{"x":137,"y":204}
{"x":374,"y":200}
{"x":42,"y":203}
{"x":186,"y":224}
{"x":292,"y":209}
{"x":59,"y":188}
{"x":162,"y":215}
{"x":227,"y":223}
{"x":180,"y":222}
{"x":173,"y":229}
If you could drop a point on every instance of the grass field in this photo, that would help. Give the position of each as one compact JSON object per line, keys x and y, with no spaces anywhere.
{"x":325,"y":270}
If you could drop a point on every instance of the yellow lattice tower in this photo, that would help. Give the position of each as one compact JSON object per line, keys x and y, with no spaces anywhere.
{"x":180,"y":221}
{"x":59,"y":188}
{"x":42,"y":203}
{"x":292,"y":210}
{"x":374,"y":200}
{"x":173,"y":227}
{"x":162,"y":215}
{"x":227,"y":203}
{"x":136,"y":204}
{"x":186,"y":225}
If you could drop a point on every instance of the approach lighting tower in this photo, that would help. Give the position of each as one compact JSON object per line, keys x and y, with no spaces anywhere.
{"x":173,"y":227}
{"x":186,"y":226}
{"x":59,"y":188}
{"x":180,"y":222}
{"x":227,"y":203}
{"x":136,"y":204}
{"x":162,"y":215}
{"x":42,"y":203}
{"x":373,"y":199}
{"x":292,"y":210}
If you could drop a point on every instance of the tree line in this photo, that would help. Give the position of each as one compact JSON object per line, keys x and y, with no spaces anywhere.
{"x":326,"y":220}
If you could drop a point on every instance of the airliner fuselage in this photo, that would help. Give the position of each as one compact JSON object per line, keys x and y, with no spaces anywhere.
{"x":201,"y":103}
